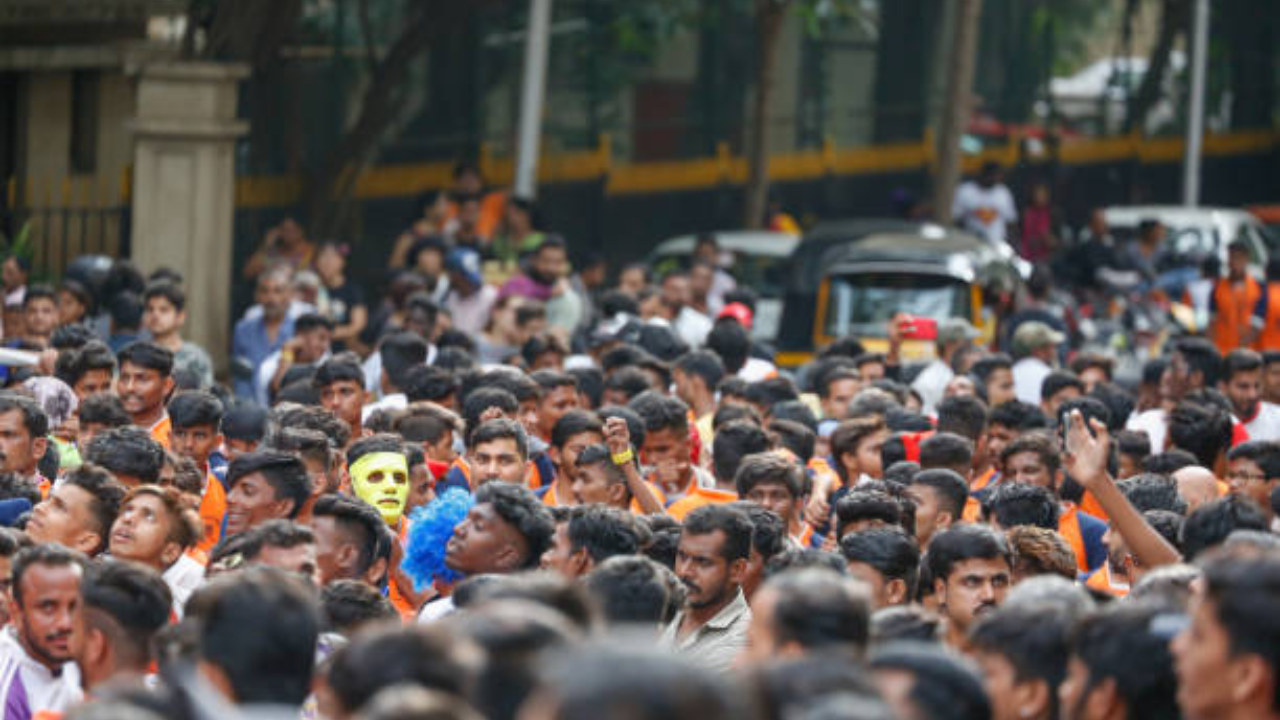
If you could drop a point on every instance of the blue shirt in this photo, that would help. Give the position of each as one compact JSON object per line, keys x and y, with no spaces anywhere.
{"x":251,"y":344}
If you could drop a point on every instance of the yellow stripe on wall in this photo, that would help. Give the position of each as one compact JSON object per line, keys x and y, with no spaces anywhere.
{"x":391,"y":181}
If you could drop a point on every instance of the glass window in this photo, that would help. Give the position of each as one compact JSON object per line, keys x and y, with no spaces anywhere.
{"x":862,"y":303}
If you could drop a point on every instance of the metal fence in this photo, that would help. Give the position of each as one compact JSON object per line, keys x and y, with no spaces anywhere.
{"x":84,"y":216}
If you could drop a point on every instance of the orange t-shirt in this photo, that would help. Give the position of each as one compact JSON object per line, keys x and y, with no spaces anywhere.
{"x":213,"y":507}
{"x":161,"y":430}
{"x":698,"y":497}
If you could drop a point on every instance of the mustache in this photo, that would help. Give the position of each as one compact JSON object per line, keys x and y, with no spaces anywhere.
{"x":691,"y":586}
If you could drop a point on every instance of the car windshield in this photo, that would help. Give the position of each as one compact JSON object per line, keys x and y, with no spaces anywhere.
{"x":862,"y":303}
{"x":764,"y":274}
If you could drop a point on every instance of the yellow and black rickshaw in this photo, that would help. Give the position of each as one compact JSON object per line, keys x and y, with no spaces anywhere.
{"x":851,"y":278}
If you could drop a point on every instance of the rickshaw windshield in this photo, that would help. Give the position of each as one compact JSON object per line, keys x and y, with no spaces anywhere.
{"x":861,"y":303}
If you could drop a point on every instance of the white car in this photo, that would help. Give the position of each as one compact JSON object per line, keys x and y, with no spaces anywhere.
{"x":760,"y":262}
{"x":1196,"y":233}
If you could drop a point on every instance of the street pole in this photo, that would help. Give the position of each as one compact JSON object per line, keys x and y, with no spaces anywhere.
{"x":958,"y":107}
{"x":1195,"y":109}
{"x":532,"y":94}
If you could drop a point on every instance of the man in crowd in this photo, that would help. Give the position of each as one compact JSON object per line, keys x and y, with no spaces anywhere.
{"x":145,"y":383}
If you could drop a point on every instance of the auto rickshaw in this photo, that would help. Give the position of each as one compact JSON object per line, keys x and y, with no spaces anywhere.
{"x":851,"y":278}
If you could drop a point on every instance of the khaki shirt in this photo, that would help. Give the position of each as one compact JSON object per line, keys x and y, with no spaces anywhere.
{"x":718,"y":642}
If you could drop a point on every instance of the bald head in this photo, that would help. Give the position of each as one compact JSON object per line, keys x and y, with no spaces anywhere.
{"x":1196,"y":486}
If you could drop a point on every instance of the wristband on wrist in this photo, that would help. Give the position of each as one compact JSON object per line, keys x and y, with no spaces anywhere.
{"x":623,"y":457}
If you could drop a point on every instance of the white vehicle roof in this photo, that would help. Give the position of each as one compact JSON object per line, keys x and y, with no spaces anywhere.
{"x":748,"y":242}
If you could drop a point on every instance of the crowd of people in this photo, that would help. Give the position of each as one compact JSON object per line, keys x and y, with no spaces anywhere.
{"x":547,"y":497}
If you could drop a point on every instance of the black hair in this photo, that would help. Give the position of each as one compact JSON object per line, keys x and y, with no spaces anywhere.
{"x":733,"y":523}
{"x":126,"y":311}
{"x":146,"y":354}
{"x":590,"y":382}
{"x":128,"y":451}
{"x":846,"y":347}
{"x":71,"y":336}
{"x":795,"y":437}
{"x":630,"y":589}
{"x":575,"y":422}
{"x":965,"y":541}
{"x":308,"y":417}
{"x":73,"y":365}
{"x":1059,"y":380}
{"x":1133,"y":442}
{"x":1017,"y":415}
{"x":524,"y":512}
{"x":311,"y":321}
{"x":823,"y":380}
{"x":861,"y":505}
{"x":1203,"y":430}
{"x":34,"y":419}
{"x":904,"y":624}
{"x":602,"y":531}
{"x":1119,"y":402}
{"x":946,"y":450}
{"x":279,"y":533}
{"x":1012,"y":504}
{"x":1201,"y":355}
{"x":769,"y":392}
{"x":944,"y":686}
{"x":338,"y":369}
{"x":732,"y":443}
{"x":731,"y":342}
{"x":962,"y":415}
{"x":491,"y":430}
{"x":347,"y":605}
{"x":1168,"y":524}
{"x":727,"y":413}
{"x":169,"y":291}
{"x":136,"y":598}
{"x":769,"y":468}
{"x":244,"y":421}
{"x":39,"y":292}
{"x":1149,"y":491}
{"x":1120,"y":644}
{"x":794,"y":558}
{"x":768,"y":531}
{"x":483,"y":398}
{"x":1243,"y":594}
{"x":107,"y":494}
{"x":104,"y":409}
{"x":285,"y":473}
{"x":1211,"y":523}
{"x":1040,"y":445}
{"x":796,"y":411}
{"x":259,"y":627}
{"x":1033,"y":641}
{"x":378,"y":443}
{"x":704,"y":365}
{"x":16,"y":486}
{"x":47,"y":554}
{"x":428,"y":382}
{"x":951,"y":489}
{"x":1238,"y":361}
{"x":193,"y":408}
{"x":400,"y":352}
{"x":540,"y":344}
{"x":630,"y":381}
{"x":360,"y":522}
{"x":820,"y":611}
{"x":1168,"y":462}
{"x":891,"y":550}
{"x":661,"y":412}
{"x":1263,"y":453}
{"x":613,"y":302}
{"x":431,"y":657}
{"x":985,"y":367}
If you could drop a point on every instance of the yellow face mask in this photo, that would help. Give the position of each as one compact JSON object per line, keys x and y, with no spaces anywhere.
{"x":382,"y":480}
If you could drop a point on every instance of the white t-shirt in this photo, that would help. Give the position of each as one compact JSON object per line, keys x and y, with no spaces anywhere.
{"x":985,"y":211}
{"x":1028,"y":375}
{"x":931,"y":383}
{"x":183,"y":577}
{"x":1265,"y":424}
{"x":1155,"y":423}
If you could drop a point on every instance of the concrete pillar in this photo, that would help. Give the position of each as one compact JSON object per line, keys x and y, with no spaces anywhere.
{"x":184,"y":187}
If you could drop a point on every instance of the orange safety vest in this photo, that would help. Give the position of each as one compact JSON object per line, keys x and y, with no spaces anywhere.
{"x":401,"y":603}
{"x":213,"y":507}
{"x":698,"y":497}
{"x":983,"y":480}
{"x":819,"y":467}
{"x":1269,"y":338}
{"x":1069,"y":529}
{"x":1089,"y":504}
{"x":1234,"y":303}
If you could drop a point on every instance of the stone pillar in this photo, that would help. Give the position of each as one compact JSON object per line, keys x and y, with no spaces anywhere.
{"x":184,"y":187}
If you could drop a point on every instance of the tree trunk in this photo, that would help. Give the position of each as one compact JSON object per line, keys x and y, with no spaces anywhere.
{"x":769,"y":22}
{"x":959,"y":105}
{"x":328,"y":194}
{"x":1175,"y":18}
